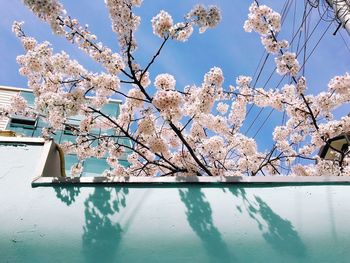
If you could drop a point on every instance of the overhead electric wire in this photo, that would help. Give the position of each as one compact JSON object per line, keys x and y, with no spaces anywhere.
{"x":298,"y":51}
{"x":294,"y":18}
{"x":307,"y":37}
{"x":318,"y":42}
{"x":306,"y":26}
{"x":304,"y":48}
{"x":291,"y":42}
{"x":256,"y":117}
{"x":285,"y":10}
{"x":262,"y":125}
{"x":303,"y":65}
{"x":347,"y":47}
{"x":257,"y":68}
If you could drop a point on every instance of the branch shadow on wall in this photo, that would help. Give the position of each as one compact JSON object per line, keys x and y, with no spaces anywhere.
{"x":199,"y":216}
{"x":278,"y":232}
{"x":67,"y":194}
{"x":101,"y":236}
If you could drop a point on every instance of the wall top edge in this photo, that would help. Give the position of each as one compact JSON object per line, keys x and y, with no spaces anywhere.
{"x":193,"y":180}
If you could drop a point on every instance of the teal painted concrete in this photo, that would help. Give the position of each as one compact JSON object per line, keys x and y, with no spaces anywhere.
{"x":191,"y":223}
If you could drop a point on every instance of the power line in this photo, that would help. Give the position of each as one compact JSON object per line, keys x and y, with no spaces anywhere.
{"x":306,"y":40}
{"x":347,"y":47}
{"x":263,"y":124}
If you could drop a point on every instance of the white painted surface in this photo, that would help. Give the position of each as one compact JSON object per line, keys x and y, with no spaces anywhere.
{"x":5,"y":100}
{"x":341,"y":10}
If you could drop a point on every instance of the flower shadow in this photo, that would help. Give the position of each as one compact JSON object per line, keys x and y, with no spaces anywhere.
{"x":278,"y":232}
{"x":67,"y":194}
{"x":102,"y":236}
{"x":199,"y":216}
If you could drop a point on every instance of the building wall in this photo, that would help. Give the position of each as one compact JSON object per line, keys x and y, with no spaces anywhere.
{"x":91,"y":166}
{"x":5,"y":99}
{"x":168,"y":223}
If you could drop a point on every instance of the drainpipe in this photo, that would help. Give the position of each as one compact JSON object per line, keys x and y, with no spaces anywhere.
{"x":341,"y":10}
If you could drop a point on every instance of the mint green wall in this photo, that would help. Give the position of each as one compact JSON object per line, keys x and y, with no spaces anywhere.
{"x":186,"y":223}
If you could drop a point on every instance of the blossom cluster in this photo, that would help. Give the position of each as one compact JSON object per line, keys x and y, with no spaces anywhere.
{"x":205,"y":18}
{"x":181,"y":31}
{"x":340,"y":84}
{"x":124,"y":21}
{"x":287,"y":63}
{"x":53,"y":13}
{"x":202,"y":99}
{"x":163,"y":25}
{"x":162,"y":129}
{"x":60,"y":83}
{"x":81,"y":36}
{"x":271,"y":45}
{"x":169,"y":103}
{"x":266,"y":22}
{"x":165,"y":82}
{"x":49,"y":11}
{"x":262,"y":19}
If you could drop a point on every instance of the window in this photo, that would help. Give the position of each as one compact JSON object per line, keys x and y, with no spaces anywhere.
{"x":23,"y":122}
{"x":28,"y":96}
{"x":94,"y":167}
{"x":70,"y":128}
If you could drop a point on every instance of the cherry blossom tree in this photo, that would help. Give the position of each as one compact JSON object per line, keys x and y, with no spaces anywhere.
{"x":191,"y":130}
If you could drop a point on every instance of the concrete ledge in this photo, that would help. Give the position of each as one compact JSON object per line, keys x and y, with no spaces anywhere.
{"x":287,"y":180}
{"x":26,"y":140}
{"x":14,"y":89}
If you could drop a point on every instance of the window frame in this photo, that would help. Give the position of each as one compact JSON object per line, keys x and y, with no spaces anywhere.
{"x":23,"y":119}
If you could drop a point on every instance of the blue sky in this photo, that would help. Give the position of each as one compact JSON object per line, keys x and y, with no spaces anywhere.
{"x":227,"y":46}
